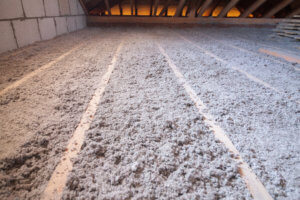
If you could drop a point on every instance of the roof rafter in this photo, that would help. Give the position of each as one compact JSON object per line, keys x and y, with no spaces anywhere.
{"x":277,"y":8}
{"x":179,"y":8}
{"x":227,"y":8}
{"x":252,"y":8}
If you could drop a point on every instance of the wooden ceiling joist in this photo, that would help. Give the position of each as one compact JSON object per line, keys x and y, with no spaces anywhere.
{"x":252,"y":8}
{"x":277,"y":8}
{"x":213,"y":6}
{"x":165,"y":8}
{"x":107,"y":7}
{"x":136,"y":8}
{"x":227,"y":8}
{"x":179,"y":8}
{"x":120,"y":8}
{"x":205,"y":5}
{"x":131,"y":6}
{"x":155,"y":7}
{"x":193,"y":10}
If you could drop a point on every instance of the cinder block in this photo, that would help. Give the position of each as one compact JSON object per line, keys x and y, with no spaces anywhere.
{"x":61,"y":25}
{"x":51,"y":7}
{"x":47,"y":28}
{"x":10,"y":9}
{"x":26,"y":31}
{"x":71,"y":23}
{"x":73,"y":7}
{"x":33,"y":8}
{"x":80,"y":22}
{"x":64,"y":7}
{"x":7,"y":40}
{"x":80,"y":9}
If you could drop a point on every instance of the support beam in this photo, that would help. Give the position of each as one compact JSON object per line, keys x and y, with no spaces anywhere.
{"x":155,"y":7}
{"x":213,"y":7}
{"x":294,"y":12}
{"x":84,"y":7}
{"x":277,"y":8}
{"x":151,"y":7}
{"x":120,"y":7}
{"x":100,"y":20}
{"x":179,"y":8}
{"x":189,"y":5}
{"x":165,"y":8}
{"x":135,"y":7}
{"x":131,"y":6}
{"x":227,"y":8}
{"x":193,"y":9}
{"x":252,"y":8}
{"x":107,"y":7}
{"x":205,"y":5}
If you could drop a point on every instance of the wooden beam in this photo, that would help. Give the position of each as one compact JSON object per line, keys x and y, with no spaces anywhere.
{"x":120,"y":7}
{"x":107,"y":6}
{"x":227,"y":8}
{"x":151,"y":7}
{"x":277,"y":8}
{"x":97,"y":20}
{"x":179,"y":8}
{"x":131,"y":6}
{"x":205,"y":5}
{"x":193,"y":10}
{"x":213,"y":6}
{"x":155,"y":7}
{"x":252,"y":8}
{"x":86,"y":12}
{"x":294,"y":12}
{"x":189,"y":4}
{"x":135,"y":7}
{"x":165,"y":8}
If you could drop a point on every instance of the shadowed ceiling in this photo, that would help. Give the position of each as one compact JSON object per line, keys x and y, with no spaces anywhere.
{"x":194,"y":8}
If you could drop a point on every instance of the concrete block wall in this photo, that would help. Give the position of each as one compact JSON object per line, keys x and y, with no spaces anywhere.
{"x":23,"y":22}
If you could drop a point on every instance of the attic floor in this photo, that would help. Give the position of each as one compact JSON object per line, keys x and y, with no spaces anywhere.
{"x":141,"y":107}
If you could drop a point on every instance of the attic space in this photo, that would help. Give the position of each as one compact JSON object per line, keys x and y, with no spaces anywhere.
{"x":149,"y":99}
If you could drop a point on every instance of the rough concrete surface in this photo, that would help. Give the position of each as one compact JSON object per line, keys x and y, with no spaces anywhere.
{"x":7,"y":40}
{"x":64,"y":7}
{"x":61,"y":25}
{"x":10,"y":9}
{"x":32,"y":31}
{"x":147,"y":139}
{"x":51,"y":7}
{"x":47,"y":28}
{"x":71,"y":24}
{"x":34,"y":8}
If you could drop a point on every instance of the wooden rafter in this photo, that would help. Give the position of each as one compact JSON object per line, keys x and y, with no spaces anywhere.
{"x":151,"y":7}
{"x":107,"y":7}
{"x":252,"y":8}
{"x":120,"y":7}
{"x":193,"y":10}
{"x":227,"y":8}
{"x":277,"y":8}
{"x":213,"y":6}
{"x":131,"y":6}
{"x":135,"y":7}
{"x":189,"y":5}
{"x":179,"y":8}
{"x":165,"y":8}
{"x":155,"y":7}
{"x":205,"y":5}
